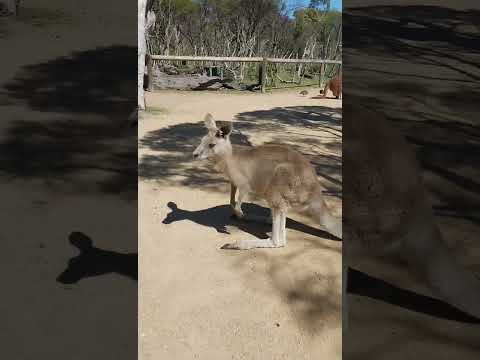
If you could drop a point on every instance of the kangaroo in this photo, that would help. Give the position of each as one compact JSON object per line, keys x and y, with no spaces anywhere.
{"x":389,"y":212}
{"x":281,"y":176}
{"x":335,"y":85}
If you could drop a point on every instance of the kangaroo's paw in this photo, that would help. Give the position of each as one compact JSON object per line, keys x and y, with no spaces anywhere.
{"x":250,"y":244}
{"x":238,"y":213}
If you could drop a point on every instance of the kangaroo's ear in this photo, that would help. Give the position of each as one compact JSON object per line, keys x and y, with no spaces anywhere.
{"x":225,"y":129}
{"x":172,"y":205}
{"x":210,"y":123}
{"x":80,"y":240}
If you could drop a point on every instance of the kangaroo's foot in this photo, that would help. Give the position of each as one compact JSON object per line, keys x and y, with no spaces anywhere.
{"x":278,"y":238}
{"x":251,"y":244}
{"x":238,"y":213}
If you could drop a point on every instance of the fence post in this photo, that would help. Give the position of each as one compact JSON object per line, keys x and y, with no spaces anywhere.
{"x":150,"y":73}
{"x":263,"y":79}
{"x":322,"y":75}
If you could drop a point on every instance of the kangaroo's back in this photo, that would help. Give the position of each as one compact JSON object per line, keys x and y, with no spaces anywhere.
{"x":335,"y":85}
{"x":280,"y":174}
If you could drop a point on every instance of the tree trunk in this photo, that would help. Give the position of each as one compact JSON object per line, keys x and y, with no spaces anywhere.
{"x":142,"y":48}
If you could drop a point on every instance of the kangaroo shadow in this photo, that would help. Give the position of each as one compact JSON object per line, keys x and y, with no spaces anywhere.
{"x":362,"y":284}
{"x":219,"y":217}
{"x":93,"y":261}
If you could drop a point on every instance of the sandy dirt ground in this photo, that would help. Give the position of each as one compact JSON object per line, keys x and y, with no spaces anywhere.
{"x":197,"y":301}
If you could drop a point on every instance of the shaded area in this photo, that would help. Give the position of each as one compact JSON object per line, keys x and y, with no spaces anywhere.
{"x":416,"y":33}
{"x":92,"y":81}
{"x":4,"y":30}
{"x":93,"y":261}
{"x":470,"y":213}
{"x":79,"y":136}
{"x":174,"y":163}
{"x":219,"y":217}
{"x":418,"y":65}
{"x":366,"y":285}
{"x":306,"y":278}
{"x":314,"y":296}
{"x":217,"y":83}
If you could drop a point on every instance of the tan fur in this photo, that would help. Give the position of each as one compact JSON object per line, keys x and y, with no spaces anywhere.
{"x":281,"y":176}
{"x":335,"y":85}
{"x":388,"y":211}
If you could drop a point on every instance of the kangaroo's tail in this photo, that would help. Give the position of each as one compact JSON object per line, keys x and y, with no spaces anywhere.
{"x":319,"y":211}
{"x":446,"y":277}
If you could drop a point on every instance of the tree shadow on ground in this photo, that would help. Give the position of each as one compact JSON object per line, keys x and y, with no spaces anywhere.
{"x":411,"y":34}
{"x":75,"y":133}
{"x":174,"y":165}
{"x":425,"y":79}
{"x":93,"y":261}
{"x":313,"y":293}
{"x":85,"y":82}
{"x":418,"y":66}
{"x":314,"y":304}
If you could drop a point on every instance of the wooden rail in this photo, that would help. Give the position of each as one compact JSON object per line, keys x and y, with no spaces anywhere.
{"x":263,"y":60}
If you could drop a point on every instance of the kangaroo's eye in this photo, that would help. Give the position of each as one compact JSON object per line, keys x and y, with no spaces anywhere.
{"x":211,"y":145}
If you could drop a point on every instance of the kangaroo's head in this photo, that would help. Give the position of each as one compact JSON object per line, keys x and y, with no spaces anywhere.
{"x":217,"y":141}
{"x":92,"y":261}
{"x":175,"y":215}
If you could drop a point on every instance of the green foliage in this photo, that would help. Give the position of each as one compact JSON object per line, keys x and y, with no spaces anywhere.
{"x":247,"y":28}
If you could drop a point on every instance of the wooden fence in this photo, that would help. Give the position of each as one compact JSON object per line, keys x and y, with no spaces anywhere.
{"x":263,"y":60}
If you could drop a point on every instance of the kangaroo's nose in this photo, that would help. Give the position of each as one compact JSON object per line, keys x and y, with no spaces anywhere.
{"x":195,"y":155}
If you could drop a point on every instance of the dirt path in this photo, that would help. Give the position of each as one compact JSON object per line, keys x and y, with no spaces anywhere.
{"x":199,"y":302}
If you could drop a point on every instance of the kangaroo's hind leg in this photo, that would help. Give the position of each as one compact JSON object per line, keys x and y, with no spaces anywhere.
{"x":278,"y":238}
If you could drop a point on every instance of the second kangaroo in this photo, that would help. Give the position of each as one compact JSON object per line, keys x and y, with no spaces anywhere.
{"x":335,"y":85}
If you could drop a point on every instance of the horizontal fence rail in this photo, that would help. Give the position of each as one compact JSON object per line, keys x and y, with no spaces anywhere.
{"x":243,"y":59}
{"x":263,"y":60}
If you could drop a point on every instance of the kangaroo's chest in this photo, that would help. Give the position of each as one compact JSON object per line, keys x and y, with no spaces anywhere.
{"x":239,"y":179}
{"x":244,"y":178}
